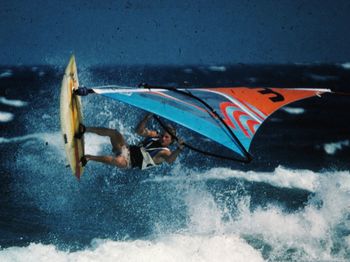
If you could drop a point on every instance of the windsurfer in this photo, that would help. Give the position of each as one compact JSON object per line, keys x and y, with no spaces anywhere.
{"x":154,"y":150}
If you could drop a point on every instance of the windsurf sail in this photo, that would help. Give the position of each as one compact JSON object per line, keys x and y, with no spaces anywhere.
{"x":229,"y":116}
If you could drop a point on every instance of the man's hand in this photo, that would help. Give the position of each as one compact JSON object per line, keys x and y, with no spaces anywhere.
{"x":141,"y":127}
{"x":171,"y":157}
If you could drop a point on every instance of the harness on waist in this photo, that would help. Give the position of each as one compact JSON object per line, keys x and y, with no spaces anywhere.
{"x":142,"y":157}
{"x":153,"y":146}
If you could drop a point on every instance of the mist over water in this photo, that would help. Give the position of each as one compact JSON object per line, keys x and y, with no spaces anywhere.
{"x":290,"y":204}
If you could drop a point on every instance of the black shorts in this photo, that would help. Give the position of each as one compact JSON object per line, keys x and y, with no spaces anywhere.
{"x":136,"y":157}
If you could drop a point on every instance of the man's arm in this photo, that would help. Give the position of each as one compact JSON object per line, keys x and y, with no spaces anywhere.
{"x":170,"y":157}
{"x":142,"y":130}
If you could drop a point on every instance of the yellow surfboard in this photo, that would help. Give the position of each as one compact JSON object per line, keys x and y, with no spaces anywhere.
{"x":71,"y":117}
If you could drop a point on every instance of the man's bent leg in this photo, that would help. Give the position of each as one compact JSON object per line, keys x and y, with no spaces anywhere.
{"x":118,"y":161}
{"x":117,"y":139}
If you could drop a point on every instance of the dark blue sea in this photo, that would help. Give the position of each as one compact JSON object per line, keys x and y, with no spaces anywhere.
{"x":291,"y":203}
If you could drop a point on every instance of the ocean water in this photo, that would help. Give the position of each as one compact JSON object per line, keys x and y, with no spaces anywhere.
{"x":290,"y":204}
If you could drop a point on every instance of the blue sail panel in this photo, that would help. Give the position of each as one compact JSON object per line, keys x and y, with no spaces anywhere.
{"x":239,"y":112}
{"x":179,"y":109}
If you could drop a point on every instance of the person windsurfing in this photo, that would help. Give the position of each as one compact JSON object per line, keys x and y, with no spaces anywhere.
{"x":154,"y":149}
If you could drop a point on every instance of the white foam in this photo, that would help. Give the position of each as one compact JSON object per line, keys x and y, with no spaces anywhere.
{"x":218,"y":68}
{"x":51,"y":139}
{"x":205,"y":215}
{"x":307,"y":234}
{"x":346,"y":65}
{"x":332,"y":148}
{"x":218,"y":230}
{"x":294,"y":110}
{"x":252,"y":79}
{"x":281,"y":177}
{"x":171,"y":248}
{"x":34,"y":252}
{"x":6,"y":117}
{"x":95,"y":145}
{"x":6,"y":74}
{"x":22,"y":138}
{"x":12,"y":102}
{"x":212,"y":232}
{"x":322,"y":77}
